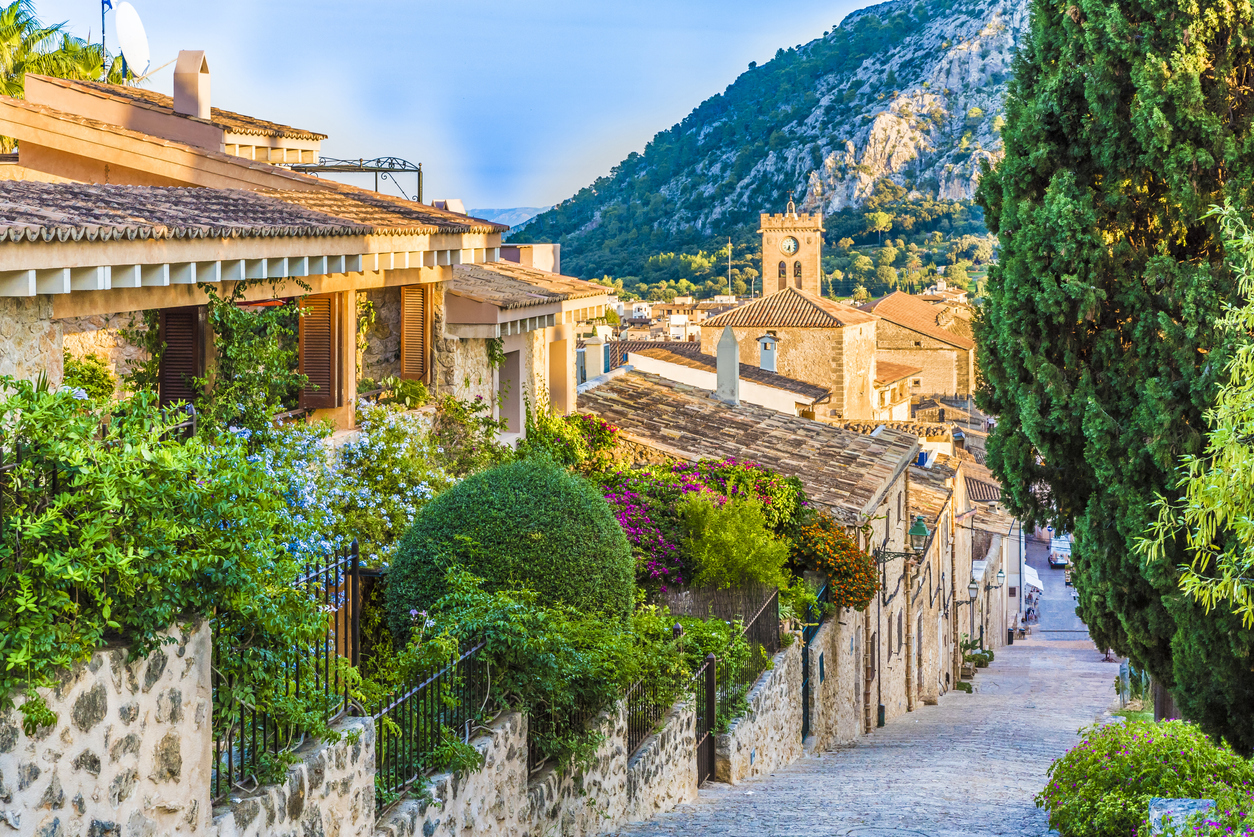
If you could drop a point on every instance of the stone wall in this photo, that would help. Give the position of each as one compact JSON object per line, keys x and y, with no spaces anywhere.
{"x":130,"y":753}
{"x":500,"y":797}
{"x":460,"y":366}
{"x":30,"y":339}
{"x":946,"y":368}
{"x":382,"y":355}
{"x":768,"y":736}
{"x":102,"y":336}
{"x":836,"y":710}
{"x":329,"y":792}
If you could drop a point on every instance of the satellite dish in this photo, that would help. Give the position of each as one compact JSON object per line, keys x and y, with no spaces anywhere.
{"x":133,"y":39}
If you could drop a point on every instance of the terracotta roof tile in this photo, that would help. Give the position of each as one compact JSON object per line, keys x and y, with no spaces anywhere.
{"x":979,"y":491}
{"x":928,"y":492}
{"x":790,"y":308}
{"x":887,"y":371}
{"x":32,"y":211}
{"x":841,"y":471}
{"x":913,"y":313}
{"x":384,"y":213}
{"x":619,"y":349}
{"x":510,"y":285}
{"x":914,"y":428}
{"x":236,"y":123}
{"x":748,"y":372}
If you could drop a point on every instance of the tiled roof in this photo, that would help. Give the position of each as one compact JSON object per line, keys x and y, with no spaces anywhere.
{"x":914,"y":428}
{"x":236,"y":123}
{"x":619,"y":349}
{"x":510,"y":285}
{"x":928,"y":492}
{"x":844,"y":472}
{"x":979,"y":491}
{"x":748,"y":372}
{"x":384,"y":213}
{"x":913,"y":313}
{"x":887,"y":371}
{"x":31,"y":211}
{"x":790,"y":308}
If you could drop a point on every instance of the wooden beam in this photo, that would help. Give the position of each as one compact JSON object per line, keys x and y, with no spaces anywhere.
{"x":55,"y":280}
{"x":183,"y":273}
{"x":126,"y":276}
{"x":208,"y":271}
{"x":17,"y":283}
{"x":155,"y":275}
{"x":89,"y":278}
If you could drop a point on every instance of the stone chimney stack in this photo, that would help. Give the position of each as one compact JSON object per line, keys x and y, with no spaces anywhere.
{"x":191,"y":84}
{"x":728,"y":368}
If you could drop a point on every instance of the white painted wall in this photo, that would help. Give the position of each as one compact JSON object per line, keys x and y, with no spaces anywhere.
{"x":751,"y":392}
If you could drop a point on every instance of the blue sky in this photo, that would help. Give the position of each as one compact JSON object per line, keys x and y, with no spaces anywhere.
{"x":504,"y":103}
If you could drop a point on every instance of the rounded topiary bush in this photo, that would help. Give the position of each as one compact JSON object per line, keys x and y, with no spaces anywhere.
{"x":528,"y":523}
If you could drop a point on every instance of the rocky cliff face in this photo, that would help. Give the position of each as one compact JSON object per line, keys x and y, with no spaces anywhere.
{"x":909,"y":91}
{"x":935,"y":128}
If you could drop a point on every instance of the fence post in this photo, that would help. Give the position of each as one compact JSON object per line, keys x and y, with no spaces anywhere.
{"x":711,"y":695}
{"x":355,"y":594}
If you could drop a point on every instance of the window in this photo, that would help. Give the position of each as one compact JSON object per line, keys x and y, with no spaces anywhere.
{"x":900,"y":637}
{"x":182,"y":330}
{"x":890,"y":637}
{"x":320,"y":351}
{"x":415,"y":347}
{"x":918,"y":343}
{"x":783,"y":270}
{"x":917,"y":383}
{"x":796,"y":273}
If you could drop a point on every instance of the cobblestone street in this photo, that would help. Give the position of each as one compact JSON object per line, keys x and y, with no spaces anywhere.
{"x":967,"y":767}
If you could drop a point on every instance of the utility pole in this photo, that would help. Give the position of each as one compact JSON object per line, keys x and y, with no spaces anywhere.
{"x":729,"y":246}
{"x":104,"y":49}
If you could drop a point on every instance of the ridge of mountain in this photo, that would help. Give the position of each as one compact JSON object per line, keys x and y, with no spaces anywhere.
{"x":906,"y":91}
{"x":513,"y":216}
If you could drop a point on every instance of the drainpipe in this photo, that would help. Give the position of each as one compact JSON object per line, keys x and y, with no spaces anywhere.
{"x":953,"y":595}
{"x":911,"y":674}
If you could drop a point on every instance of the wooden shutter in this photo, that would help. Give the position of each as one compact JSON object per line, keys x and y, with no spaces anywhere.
{"x":182,"y":332}
{"x":415,"y":345}
{"x":319,"y":351}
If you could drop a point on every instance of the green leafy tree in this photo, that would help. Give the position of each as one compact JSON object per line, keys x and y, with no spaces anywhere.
{"x":1096,"y":342}
{"x":1215,"y":512}
{"x":862,"y":266}
{"x":28,"y":46}
{"x":879,"y":222}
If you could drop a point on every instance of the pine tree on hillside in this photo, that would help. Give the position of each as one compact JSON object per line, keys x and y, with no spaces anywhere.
{"x":1124,"y":124}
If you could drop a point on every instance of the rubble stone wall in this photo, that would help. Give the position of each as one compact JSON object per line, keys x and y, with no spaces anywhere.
{"x":131,"y":750}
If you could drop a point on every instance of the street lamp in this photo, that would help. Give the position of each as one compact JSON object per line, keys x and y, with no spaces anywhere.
{"x":973,"y":589}
{"x":1001,"y":577}
{"x":918,"y":534}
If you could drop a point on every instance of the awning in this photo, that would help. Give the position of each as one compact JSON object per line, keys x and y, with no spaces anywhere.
{"x":1032,"y":579}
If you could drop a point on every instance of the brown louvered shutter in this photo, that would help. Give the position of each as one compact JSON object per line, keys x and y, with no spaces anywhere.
{"x":414,"y":330}
{"x":181,"y":330}
{"x":319,"y":351}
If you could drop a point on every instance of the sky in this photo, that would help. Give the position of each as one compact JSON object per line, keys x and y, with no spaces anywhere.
{"x":504,"y":104}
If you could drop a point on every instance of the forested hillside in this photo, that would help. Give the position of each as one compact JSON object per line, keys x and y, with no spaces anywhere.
{"x":891,"y":113}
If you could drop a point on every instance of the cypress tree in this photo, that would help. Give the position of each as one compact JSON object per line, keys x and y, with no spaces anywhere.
{"x":1125,"y":123}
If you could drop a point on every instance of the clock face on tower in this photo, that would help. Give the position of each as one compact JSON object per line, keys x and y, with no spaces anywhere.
{"x":789,"y":245}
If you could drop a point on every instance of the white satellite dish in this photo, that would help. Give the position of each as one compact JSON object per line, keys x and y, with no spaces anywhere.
{"x":133,"y":39}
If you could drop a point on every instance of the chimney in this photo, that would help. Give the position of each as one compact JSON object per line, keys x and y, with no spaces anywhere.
{"x":191,"y":84}
{"x":728,"y":368}
{"x":594,"y":356}
{"x":767,"y":344}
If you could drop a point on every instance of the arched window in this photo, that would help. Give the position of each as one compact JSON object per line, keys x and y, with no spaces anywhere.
{"x":783,"y":275}
{"x":796,"y":274}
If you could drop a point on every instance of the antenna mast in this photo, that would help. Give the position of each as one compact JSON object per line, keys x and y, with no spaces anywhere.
{"x":104,"y":40}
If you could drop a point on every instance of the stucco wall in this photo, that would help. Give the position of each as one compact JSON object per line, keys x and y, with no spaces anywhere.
{"x":858,"y":358}
{"x":30,"y":339}
{"x":768,"y":736}
{"x":500,"y":798}
{"x":329,"y":792}
{"x":130,"y":752}
{"x":946,"y":368}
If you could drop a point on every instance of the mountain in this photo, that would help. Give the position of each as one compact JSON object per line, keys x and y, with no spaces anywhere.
{"x":905,"y":93}
{"x":515,"y":217}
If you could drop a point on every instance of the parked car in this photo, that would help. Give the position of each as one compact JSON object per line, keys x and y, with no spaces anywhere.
{"x":1060,"y":552}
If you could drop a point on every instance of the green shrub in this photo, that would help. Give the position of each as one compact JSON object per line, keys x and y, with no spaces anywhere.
{"x":529,"y":524}
{"x":162,"y":529}
{"x":1232,"y":816}
{"x":467,"y":435}
{"x":91,"y":374}
{"x":1102,"y":787}
{"x":730,"y":544}
{"x":575,"y":441}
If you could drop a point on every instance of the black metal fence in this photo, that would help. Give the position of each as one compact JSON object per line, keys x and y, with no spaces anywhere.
{"x":424,"y":716}
{"x":247,"y":740}
{"x":546,"y":725}
{"x":761,"y":632}
{"x":705,"y":694}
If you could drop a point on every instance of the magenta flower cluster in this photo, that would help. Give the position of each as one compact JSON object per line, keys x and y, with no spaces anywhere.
{"x":657,"y":556}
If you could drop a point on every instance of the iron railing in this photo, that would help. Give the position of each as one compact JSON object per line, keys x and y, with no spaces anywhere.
{"x":415,"y":722}
{"x":542,"y":725}
{"x":735,"y":680}
{"x":705,"y":702}
{"x":245,"y":739}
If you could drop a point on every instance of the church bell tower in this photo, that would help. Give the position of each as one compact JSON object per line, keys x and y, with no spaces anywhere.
{"x":792,"y":251}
